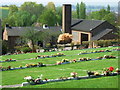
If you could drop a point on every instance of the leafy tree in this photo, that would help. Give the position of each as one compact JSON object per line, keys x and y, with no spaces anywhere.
{"x":48,"y":17}
{"x":59,"y":15}
{"x":12,"y":9}
{"x":77,"y":10}
{"x":32,"y":35}
{"x":22,"y":18}
{"x":51,"y":6}
{"x":94,"y":15}
{"x":82,"y":11}
{"x":32,"y":8}
{"x":108,"y":8}
{"x":102,"y":13}
{"x":33,"y":18}
{"x":110,"y":18}
{"x":74,"y":14}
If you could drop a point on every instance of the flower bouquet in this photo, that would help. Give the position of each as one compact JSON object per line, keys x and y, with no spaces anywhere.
{"x":73,"y":74}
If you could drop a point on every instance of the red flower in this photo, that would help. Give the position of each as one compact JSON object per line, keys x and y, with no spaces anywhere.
{"x":111,"y":68}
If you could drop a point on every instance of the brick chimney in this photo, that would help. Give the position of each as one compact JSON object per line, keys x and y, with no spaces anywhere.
{"x":66,"y":18}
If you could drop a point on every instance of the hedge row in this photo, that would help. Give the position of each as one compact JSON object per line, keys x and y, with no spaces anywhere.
{"x":103,"y":43}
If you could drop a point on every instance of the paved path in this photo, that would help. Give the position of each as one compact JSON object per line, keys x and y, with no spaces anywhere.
{"x":8,"y":86}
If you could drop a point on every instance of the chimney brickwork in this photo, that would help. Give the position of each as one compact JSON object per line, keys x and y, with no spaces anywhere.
{"x":66,"y":18}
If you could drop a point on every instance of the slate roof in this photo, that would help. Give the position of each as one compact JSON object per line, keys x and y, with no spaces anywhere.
{"x":76,"y":24}
{"x":85,"y":25}
{"x":101,"y":34}
{"x":19,"y":31}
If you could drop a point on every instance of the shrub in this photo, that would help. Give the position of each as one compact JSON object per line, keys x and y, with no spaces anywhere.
{"x":85,"y":43}
{"x":4,"y":47}
{"x":26,"y":49}
{"x":102,"y":43}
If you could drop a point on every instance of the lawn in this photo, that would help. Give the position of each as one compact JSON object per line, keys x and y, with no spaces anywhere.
{"x":33,"y":55}
{"x":53,"y":72}
{"x":109,"y":82}
{"x":4,"y":12}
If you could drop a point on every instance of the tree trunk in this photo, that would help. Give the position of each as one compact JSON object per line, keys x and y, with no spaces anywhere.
{"x":33,"y":46}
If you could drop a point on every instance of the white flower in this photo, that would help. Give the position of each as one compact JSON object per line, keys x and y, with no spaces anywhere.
{"x":28,"y":77}
{"x":73,"y":73}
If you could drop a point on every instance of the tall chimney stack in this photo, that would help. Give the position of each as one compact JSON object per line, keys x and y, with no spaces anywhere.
{"x":66,"y":18}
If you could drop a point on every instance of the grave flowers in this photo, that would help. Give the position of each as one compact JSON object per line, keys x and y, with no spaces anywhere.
{"x":118,"y":70}
{"x":109,"y":56}
{"x":30,"y":80}
{"x":73,"y":74}
{"x":108,"y":71}
{"x":111,"y":69}
{"x":47,"y":56}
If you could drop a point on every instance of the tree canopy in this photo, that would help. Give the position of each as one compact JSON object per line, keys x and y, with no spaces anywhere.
{"x":47,"y":17}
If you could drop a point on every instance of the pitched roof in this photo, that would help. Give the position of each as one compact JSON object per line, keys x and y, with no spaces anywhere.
{"x":85,"y":25}
{"x":19,"y":31}
{"x":101,"y":34}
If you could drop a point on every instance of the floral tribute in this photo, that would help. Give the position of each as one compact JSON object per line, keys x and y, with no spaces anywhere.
{"x":22,"y":67}
{"x":33,"y":81}
{"x":8,"y":60}
{"x":95,"y":51}
{"x":108,"y":71}
{"x":65,"y":61}
{"x":73,"y":76}
{"x":48,"y":56}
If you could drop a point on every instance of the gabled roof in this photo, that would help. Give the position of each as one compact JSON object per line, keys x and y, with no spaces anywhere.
{"x":101,"y":34}
{"x":85,"y":25}
{"x":19,"y":31}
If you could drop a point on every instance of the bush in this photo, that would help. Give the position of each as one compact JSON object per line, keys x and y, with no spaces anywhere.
{"x":86,"y":43}
{"x":26,"y":49}
{"x":102,"y":43}
{"x":4,"y":47}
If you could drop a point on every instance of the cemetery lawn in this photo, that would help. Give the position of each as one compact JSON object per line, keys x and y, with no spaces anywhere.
{"x":104,"y":82}
{"x":52,"y":72}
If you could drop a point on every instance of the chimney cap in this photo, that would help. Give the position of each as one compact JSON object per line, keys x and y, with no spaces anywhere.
{"x":66,"y":4}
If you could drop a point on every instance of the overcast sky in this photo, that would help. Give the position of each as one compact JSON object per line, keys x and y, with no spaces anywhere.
{"x":60,"y":2}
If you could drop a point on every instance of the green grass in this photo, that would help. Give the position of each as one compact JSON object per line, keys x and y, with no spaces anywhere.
{"x":16,"y":76}
{"x":109,"y":82}
{"x":53,"y":72}
{"x":4,"y":12}
{"x":53,"y":60}
{"x":33,"y":55}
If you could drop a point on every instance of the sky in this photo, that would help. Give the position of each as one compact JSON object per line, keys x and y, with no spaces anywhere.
{"x":60,"y":2}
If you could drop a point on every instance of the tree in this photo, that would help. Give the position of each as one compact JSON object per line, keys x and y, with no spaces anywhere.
{"x":51,"y":6}
{"x":94,"y":15}
{"x":21,"y":18}
{"x":32,"y":8}
{"x":82,"y":11}
{"x":110,"y":18}
{"x":48,"y":17}
{"x":59,"y":15}
{"x":32,"y":35}
{"x":74,"y":14}
{"x":103,"y":14}
{"x":33,"y":18}
{"x":108,"y":8}
{"x":78,"y":10}
{"x":12,"y":9}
